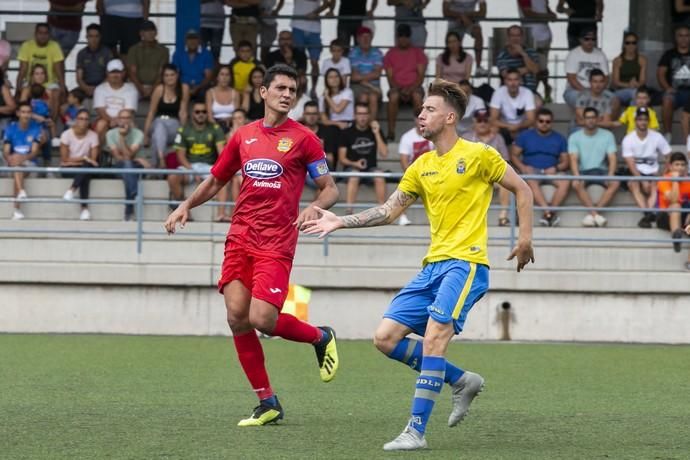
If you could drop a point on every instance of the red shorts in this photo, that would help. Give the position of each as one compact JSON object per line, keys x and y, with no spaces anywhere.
{"x":266,"y":276}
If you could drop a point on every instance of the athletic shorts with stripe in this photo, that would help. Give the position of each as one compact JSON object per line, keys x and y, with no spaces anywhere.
{"x":444,"y":291}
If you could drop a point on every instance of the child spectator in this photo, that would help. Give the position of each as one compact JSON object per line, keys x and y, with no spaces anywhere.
{"x":627,"y":119}
{"x":242,"y":65}
{"x":676,"y":196}
{"x":41,"y":114}
{"x":337,"y":61}
{"x":68,"y":111}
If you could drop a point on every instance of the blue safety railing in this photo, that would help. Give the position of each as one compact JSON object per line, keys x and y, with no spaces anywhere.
{"x":141,"y":201}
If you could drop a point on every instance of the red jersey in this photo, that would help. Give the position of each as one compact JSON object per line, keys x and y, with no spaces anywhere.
{"x":274,"y":164}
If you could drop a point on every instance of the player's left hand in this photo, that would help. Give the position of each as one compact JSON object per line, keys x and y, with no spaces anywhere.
{"x":524,"y":253}
{"x":327,"y":223}
{"x":309,"y":213}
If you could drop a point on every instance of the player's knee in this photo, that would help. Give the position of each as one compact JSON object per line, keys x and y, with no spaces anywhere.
{"x":383,"y":341}
{"x":262,"y":322}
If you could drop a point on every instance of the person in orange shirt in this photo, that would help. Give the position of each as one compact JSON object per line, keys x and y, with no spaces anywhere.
{"x":675,"y":195}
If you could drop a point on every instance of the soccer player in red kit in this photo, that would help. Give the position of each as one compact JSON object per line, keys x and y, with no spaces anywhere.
{"x":274,"y":155}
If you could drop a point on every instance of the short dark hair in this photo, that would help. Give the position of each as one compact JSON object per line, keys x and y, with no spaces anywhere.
{"x":513,"y":70}
{"x":338,"y":42}
{"x":451,"y":93}
{"x":590,"y":109}
{"x":93,"y":26}
{"x":279,"y":69}
{"x":41,"y":25}
{"x":244,"y":44}
{"x":82,"y":110}
{"x":24,"y":104}
{"x":311,"y":104}
{"x":37,"y":91}
{"x":545,"y":111}
{"x":198,"y":101}
{"x":678,"y":156}
{"x":642,"y":89}
{"x":596,"y":73}
{"x":79,"y":94}
{"x":363,"y":105}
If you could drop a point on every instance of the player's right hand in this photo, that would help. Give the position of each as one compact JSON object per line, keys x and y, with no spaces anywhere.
{"x":327,"y":223}
{"x":179,"y":215}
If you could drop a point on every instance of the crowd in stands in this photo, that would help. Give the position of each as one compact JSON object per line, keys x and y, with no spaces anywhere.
{"x":195,"y":101}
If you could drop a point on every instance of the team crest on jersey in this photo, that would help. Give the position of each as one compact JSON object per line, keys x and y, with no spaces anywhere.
{"x":284,"y":144}
{"x":460,"y":167}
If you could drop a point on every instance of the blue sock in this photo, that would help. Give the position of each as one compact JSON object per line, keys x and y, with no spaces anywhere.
{"x":409,"y":351}
{"x":427,"y":389}
{"x":325,"y":336}
{"x":270,"y":401}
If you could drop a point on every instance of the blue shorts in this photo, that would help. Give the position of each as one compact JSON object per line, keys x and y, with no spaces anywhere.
{"x":309,"y":40}
{"x":444,"y":291}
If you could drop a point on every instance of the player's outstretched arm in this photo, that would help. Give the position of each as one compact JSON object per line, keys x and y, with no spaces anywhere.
{"x":372,"y":217}
{"x":523,"y":196}
{"x":204,"y":192}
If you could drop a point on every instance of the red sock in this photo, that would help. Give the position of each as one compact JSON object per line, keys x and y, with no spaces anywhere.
{"x":251,"y":357}
{"x":291,"y":328}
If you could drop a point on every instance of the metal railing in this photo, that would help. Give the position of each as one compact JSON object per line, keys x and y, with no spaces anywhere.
{"x":142,"y":201}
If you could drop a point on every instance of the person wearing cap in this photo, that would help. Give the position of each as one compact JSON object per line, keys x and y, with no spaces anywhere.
{"x":405,"y":66}
{"x":195,"y":64}
{"x":92,"y":61}
{"x":579,"y":62}
{"x":641,"y":149}
{"x":463,"y":17}
{"x":673,"y":75}
{"x":349,"y":28}
{"x":146,"y":59}
{"x":366,"y":62}
{"x":66,"y":26}
{"x":581,"y":16}
{"x":121,"y":20}
{"x":593,"y":153}
{"x":112,"y":96}
{"x":481,"y":132}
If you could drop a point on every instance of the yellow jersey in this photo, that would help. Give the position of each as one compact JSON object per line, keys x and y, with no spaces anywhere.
{"x":47,"y":55}
{"x":456,"y":189}
{"x":628,"y":119}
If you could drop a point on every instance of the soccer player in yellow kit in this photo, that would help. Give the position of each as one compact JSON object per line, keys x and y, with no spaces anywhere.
{"x":455,"y":183}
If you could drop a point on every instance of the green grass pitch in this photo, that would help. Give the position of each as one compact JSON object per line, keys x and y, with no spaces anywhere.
{"x":92,"y":397}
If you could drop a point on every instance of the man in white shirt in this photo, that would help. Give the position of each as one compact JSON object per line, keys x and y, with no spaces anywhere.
{"x":579,"y":62}
{"x":112,"y":96}
{"x":641,"y":149}
{"x":412,"y":145}
{"x":512,"y":107}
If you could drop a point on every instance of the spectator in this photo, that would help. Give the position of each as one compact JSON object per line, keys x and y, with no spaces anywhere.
{"x":593,"y":153}
{"x":675,"y":196}
{"x":578,"y":12}
{"x":641,"y":150}
{"x":579,"y":63}
{"x":542,"y":151}
{"x":41,"y":114}
{"x":348,"y":29}
{"x":288,"y":54}
{"x":307,"y":32}
{"x":252,"y":102}
{"x":673,"y":75}
{"x":5,"y":54}
{"x":70,"y":110}
{"x":146,"y":59}
{"x":359,"y":148}
{"x":244,"y":21}
{"x":197,"y":145}
{"x":536,"y":15}
{"x":454,"y":64}
{"x":239,"y":118}
{"x":121,"y":20}
{"x":411,"y":12}
{"x":124,"y":142}
{"x":242,"y":65}
{"x":79,"y":148}
{"x":474,"y":103}
{"x":596,"y":96}
{"x":301,"y":98}
{"x":463,"y":17}
{"x":212,"y":27}
{"x":269,"y":25}
{"x":7,"y":104}
{"x":680,"y":12}
{"x":405,"y":69}
{"x":327,"y":134}
{"x":512,"y":107}
{"x":21,"y":144}
{"x":412,"y":145}
{"x":629,"y":71}
{"x":367,"y":63}
{"x":482,"y":132}
{"x":92,"y":61}
{"x":42,"y":50}
{"x":337,"y":61}
{"x":337,"y":103}
{"x":516,"y":56}
{"x":642,"y":99}
{"x":65,"y":28}
{"x":112,"y":96}
{"x":195,"y":64}
{"x":222,"y":100}
{"x":168,"y":111}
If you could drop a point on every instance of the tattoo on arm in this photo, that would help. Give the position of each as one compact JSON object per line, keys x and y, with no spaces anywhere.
{"x":383,"y":214}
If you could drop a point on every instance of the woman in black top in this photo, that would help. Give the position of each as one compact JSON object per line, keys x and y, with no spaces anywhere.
{"x":167,"y":112}
{"x":7,"y":104}
{"x":252,"y":103}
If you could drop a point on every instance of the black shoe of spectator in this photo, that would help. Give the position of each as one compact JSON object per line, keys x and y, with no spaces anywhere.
{"x":645,"y":222}
{"x":677,"y":235}
{"x":544,"y":220}
{"x":554,"y":220}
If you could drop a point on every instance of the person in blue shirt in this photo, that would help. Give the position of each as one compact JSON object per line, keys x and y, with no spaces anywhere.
{"x":195,"y":64}
{"x":21,"y":145}
{"x":542,"y":151}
